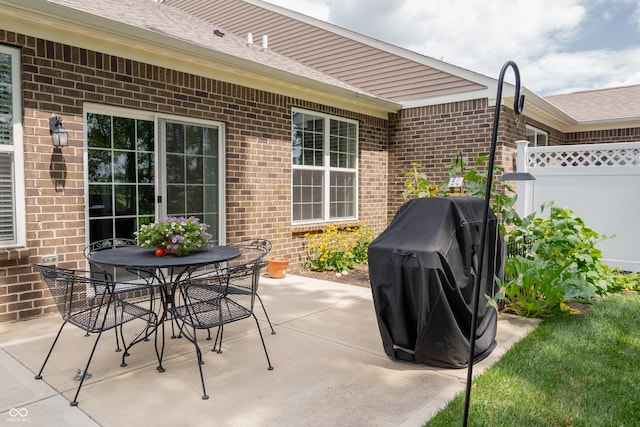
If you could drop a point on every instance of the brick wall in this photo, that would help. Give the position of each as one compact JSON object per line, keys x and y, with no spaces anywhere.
{"x":58,"y":79}
{"x":434,"y":135}
{"x":603,"y":136}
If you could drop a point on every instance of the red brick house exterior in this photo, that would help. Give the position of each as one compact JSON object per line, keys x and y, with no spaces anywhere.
{"x":63,"y":79}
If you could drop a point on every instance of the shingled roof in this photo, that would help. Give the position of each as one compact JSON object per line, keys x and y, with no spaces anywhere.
{"x":151,"y":32}
{"x":394,"y":73}
{"x":618,"y":103}
{"x":373,"y":65}
{"x":158,"y":18}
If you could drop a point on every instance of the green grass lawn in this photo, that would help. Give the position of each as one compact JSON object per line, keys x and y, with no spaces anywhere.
{"x":571,"y":371}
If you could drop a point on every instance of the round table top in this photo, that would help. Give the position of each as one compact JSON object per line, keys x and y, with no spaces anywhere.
{"x":136,"y":257}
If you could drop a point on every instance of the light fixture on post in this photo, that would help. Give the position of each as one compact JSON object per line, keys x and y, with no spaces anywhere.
{"x":59,"y":136}
{"x":517,"y":176}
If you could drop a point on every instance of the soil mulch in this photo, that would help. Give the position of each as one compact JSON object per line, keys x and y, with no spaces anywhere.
{"x":359,"y":276}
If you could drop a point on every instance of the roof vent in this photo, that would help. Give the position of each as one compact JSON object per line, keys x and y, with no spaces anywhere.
{"x":218,"y":33}
{"x":249,"y":40}
{"x":265,"y":43}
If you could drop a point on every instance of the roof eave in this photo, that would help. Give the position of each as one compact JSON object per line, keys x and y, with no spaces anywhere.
{"x":446,"y":67}
{"x":70,"y":26}
{"x":607,"y":124}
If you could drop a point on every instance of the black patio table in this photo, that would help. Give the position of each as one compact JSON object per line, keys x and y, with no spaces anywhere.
{"x":167,"y":270}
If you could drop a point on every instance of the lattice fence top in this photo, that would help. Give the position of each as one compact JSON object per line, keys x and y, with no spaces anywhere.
{"x":601,"y":155}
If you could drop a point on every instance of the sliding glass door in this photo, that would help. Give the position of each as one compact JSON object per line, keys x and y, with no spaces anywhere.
{"x":127,"y":187}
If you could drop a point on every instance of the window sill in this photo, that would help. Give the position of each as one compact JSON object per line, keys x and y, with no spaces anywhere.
{"x":317,"y":226}
{"x":9,"y":254}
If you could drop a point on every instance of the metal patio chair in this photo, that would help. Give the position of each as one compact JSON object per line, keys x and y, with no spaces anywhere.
{"x":91,"y":305}
{"x":213,"y":300}
{"x":251,"y":251}
{"x":111,"y":273}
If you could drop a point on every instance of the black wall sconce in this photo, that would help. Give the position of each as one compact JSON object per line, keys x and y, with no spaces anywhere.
{"x":59,"y":136}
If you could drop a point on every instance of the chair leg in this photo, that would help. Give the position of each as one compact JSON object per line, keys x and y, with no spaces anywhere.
{"x":263,"y":344}
{"x":74,"y":402}
{"x":160,"y":353}
{"x":142,"y":336}
{"x":218,"y":337}
{"x":46,"y":359}
{"x":118,"y":349}
{"x":266,"y":315}
{"x":205,"y":396}
{"x":191,"y":336}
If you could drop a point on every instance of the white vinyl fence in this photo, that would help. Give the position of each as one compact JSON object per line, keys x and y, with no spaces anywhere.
{"x":599,"y":182}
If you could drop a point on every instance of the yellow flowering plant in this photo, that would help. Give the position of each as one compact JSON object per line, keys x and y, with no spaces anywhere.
{"x":338,"y":249}
{"x":175,"y":235}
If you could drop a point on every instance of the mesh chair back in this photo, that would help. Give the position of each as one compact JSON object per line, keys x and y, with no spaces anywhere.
{"x":102,"y":271}
{"x":120,"y":274}
{"x":251,"y":250}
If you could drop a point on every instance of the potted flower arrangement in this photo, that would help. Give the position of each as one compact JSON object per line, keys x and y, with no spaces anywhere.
{"x":174,"y":236}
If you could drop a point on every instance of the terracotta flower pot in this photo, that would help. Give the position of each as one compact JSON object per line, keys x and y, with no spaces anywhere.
{"x":277,"y":267}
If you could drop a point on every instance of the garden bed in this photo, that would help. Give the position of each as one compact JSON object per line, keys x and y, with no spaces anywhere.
{"x":359,"y":276}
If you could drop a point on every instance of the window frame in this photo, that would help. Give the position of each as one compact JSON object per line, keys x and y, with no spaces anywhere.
{"x":327,"y":169}
{"x":536,"y":132}
{"x":16,"y":152}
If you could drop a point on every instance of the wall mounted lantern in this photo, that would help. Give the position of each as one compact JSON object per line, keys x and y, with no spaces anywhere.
{"x":59,"y":136}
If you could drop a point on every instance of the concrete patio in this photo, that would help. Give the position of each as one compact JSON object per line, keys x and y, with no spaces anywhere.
{"x":330,"y":369}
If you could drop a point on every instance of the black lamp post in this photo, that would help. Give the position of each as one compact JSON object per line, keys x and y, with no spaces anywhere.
{"x":518,"y":105}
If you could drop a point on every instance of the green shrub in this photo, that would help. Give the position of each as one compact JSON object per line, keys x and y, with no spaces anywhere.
{"x":418,"y":185}
{"x":561,"y":264}
{"x":623,"y":281}
{"x":338,"y":249}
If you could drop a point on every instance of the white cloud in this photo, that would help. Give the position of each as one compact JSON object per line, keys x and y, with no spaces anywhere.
{"x":636,"y":17}
{"x":571,"y":72}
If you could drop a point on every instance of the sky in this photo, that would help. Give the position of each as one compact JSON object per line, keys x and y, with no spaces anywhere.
{"x":559,"y":46}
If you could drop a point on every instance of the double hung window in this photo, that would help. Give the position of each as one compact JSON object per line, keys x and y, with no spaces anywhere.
{"x":537,"y":137}
{"x":325,"y":165}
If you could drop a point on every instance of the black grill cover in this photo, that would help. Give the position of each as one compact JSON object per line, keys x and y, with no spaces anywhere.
{"x":423,"y":270}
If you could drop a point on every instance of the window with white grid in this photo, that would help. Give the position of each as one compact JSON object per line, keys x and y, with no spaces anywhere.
{"x":325,"y":165}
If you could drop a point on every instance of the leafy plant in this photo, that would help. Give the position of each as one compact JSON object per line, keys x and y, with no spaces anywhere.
{"x":417,"y":184}
{"x":338,"y":249}
{"x":504,"y":199}
{"x":561,"y":264}
{"x":176,"y":235}
{"x":624,"y":281}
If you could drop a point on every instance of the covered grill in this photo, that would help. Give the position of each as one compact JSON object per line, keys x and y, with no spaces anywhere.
{"x":423,"y":270}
